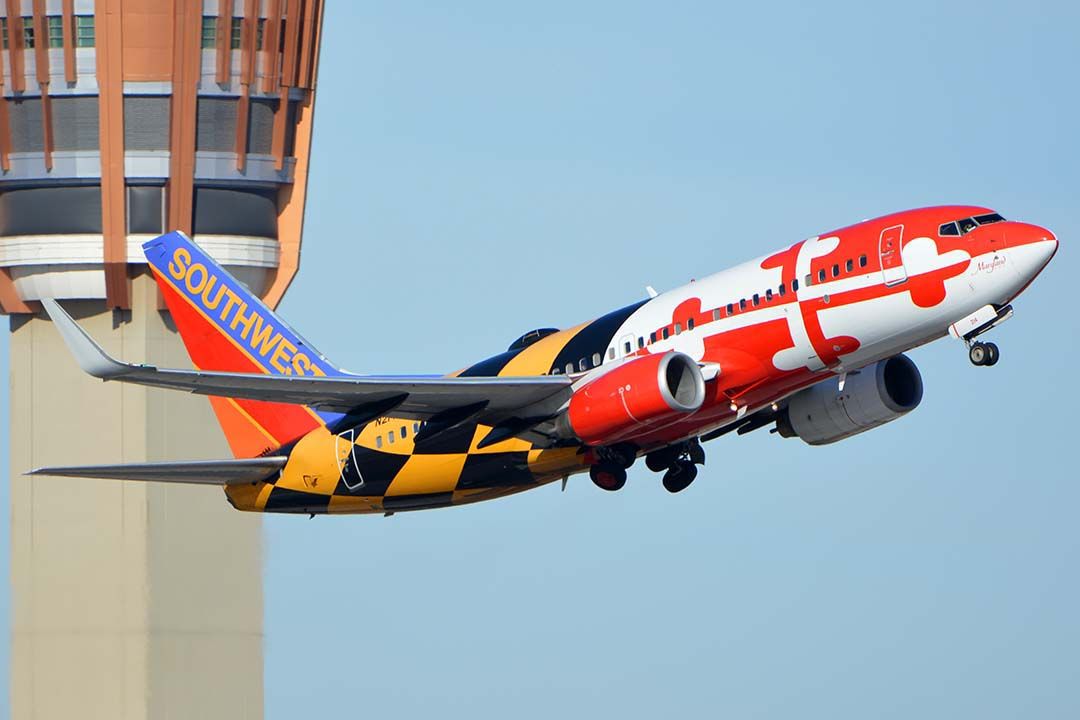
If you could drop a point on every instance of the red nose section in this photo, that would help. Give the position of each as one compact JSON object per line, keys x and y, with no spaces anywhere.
{"x":1019,"y":233}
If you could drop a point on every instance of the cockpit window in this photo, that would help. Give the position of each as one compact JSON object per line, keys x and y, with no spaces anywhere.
{"x":988,"y":219}
{"x":963,"y":227}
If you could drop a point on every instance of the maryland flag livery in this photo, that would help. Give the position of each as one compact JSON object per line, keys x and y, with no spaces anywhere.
{"x":807,"y":340}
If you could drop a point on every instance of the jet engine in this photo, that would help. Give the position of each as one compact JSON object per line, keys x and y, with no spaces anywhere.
{"x":640,"y":394}
{"x":876,"y":394}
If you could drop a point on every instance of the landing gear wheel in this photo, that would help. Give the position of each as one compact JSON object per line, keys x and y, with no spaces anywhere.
{"x":978,"y":354}
{"x":660,"y":460}
{"x":679,"y":476}
{"x":994,"y":354}
{"x":608,"y":477}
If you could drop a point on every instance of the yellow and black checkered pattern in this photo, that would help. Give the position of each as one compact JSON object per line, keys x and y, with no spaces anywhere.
{"x":366,"y":472}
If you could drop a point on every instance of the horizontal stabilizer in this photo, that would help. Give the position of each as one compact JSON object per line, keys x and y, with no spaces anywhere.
{"x":197,"y":472}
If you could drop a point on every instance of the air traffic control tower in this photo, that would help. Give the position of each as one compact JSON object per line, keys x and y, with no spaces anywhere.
{"x":121,"y":119}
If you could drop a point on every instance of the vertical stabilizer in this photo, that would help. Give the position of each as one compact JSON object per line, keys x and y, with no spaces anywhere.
{"x":225,"y":327}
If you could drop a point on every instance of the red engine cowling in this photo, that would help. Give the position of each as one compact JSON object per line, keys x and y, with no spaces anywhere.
{"x":633,"y":397}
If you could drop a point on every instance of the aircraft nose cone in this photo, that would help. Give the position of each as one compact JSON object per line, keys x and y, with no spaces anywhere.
{"x":1048,"y":246}
{"x":1031,"y":248}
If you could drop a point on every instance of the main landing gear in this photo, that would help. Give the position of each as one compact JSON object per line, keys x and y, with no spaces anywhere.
{"x":610,"y":473}
{"x":608,"y":477}
{"x":678,"y":463}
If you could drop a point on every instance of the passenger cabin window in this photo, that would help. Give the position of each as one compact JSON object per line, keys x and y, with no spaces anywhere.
{"x":850,"y":265}
{"x":611,"y":353}
{"x":742,"y":304}
{"x":948,"y":229}
{"x":404,"y":432}
{"x":596,"y":359}
{"x":821,"y":275}
{"x":862,"y":261}
{"x":795,"y":286}
{"x":690,"y":324}
{"x":731,"y":308}
{"x":667,"y":333}
{"x":768,"y":295}
{"x":757,"y":300}
{"x":716,"y":314}
{"x":808,"y":280}
{"x":652,"y":338}
{"x":569,"y":368}
{"x":783,"y":289}
{"x":640,"y":342}
{"x":390,"y":437}
{"x":583,"y":364}
{"x":415,"y":427}
{"x":378,"y":441}
{"x":626,"y":348}
{"x":678,"y":328}
{"x":836,"y":270}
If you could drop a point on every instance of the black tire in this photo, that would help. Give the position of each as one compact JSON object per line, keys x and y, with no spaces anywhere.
{"x":608,"y":477}
{"x":626,"y":455}
{"x":993,"y":354}
{"x":679,"y":477}
{"x":978,"y":354}
{"x":660,"y":460}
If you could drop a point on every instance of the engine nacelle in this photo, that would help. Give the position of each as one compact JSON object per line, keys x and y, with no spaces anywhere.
{"x":635,"y":396}
{"x":872,"y":396}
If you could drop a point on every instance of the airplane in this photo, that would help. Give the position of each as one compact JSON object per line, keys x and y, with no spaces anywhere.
{"x":809,"y":340}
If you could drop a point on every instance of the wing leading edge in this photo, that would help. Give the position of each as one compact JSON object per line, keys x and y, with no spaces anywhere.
{"x":411,"y":397}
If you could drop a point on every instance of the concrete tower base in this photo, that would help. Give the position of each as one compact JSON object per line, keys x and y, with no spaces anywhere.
{"x":129,"y":600}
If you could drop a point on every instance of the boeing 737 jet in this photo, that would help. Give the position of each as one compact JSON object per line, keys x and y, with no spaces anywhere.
{"x":808,"y":340}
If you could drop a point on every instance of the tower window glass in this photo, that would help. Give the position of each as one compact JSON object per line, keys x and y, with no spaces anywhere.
{"x":209,"y":32}
{"x":28,"y":32}
{"x":56,"y":31}
{"x":84,"y":31}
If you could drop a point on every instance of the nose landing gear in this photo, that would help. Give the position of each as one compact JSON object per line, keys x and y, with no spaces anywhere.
{"x":982,"y":320}
{"x":983,"y":354}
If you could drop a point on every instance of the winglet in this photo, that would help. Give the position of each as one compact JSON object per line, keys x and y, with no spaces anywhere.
{"x":91,"y":358}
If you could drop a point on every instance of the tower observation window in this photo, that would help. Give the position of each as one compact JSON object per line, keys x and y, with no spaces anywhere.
{"x":209,"y":32}
{"x":56,"y":31}
{"x":28,"y":32}
{"x":84,"y":31}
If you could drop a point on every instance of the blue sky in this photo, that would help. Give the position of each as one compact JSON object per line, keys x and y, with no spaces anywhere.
{"x":481,"y":169}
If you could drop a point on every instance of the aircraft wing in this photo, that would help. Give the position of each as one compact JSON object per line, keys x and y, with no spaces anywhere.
{"x":198,"y":472}
{"x":413,"y":397}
